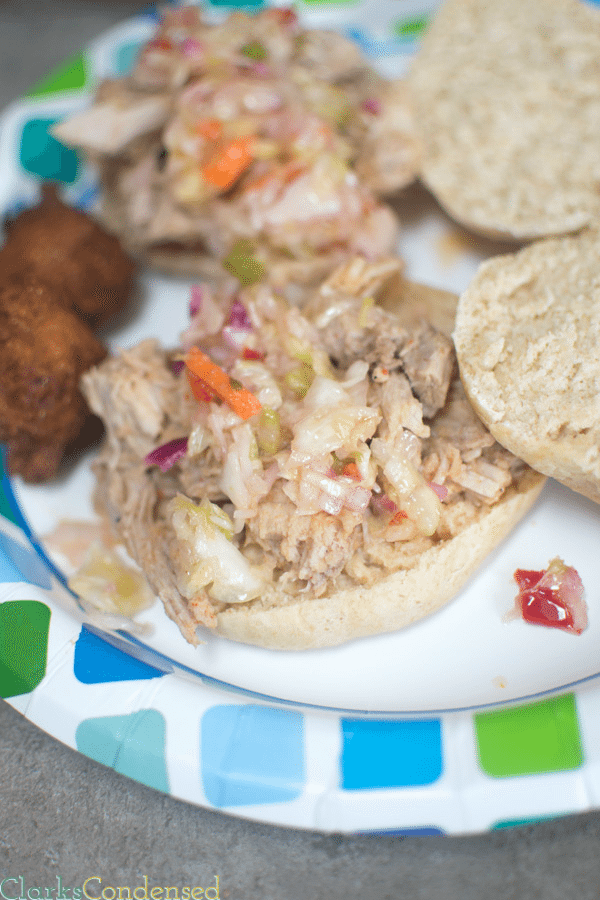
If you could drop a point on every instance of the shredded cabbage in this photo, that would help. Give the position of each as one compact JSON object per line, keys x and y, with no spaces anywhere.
{"x":333,"y":427}
{"x":409,"y":488}
{"x":206,"y":558}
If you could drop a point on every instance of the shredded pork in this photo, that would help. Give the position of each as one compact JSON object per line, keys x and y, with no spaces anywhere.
{"x":359,"y":458}
{"x":255,"y":129}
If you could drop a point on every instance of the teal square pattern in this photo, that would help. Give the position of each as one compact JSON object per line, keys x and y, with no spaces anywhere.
{"x":390,"y":754}
{"x":251,"y":755}
{"x":132,"y":744}
{"x":42,"y":155}
{"x":126,"y":56}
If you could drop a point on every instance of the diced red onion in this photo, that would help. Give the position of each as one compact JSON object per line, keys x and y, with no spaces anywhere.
{"x":552,"y":597}
{"x":167,"y":454}
{"x":382,"y":503}
{"x":572,"y":593}
{"x":440,"y":489}
{"x":196,"y":298}
{"x":234,"y":338}
{"x":191,"y":48}
{"x":235,"y":332}
{"x":372,"y":105}
{"x":177,"y":366}
{"x":238,"y":316}
{"x":261,"y":69}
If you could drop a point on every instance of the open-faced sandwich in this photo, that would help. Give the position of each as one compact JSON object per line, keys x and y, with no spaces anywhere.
{"x":298,"y":479}
{"x":255,"y":142}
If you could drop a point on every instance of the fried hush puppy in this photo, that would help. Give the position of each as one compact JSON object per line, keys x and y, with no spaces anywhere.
{"x":61,"y":277}
{"x":81,"y":263}
{"x":45,"y":350}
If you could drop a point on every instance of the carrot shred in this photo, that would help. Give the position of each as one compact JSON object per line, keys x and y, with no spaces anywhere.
{"x":398,"y":517}
{"x":214,"y":382}
{"x":228,"y":163}
{"x":351,"y":470}
{"x":211,"y":129}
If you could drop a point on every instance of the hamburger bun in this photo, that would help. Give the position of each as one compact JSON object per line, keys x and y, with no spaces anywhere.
{"x":507,"y":103}
{"x":527,"y":334}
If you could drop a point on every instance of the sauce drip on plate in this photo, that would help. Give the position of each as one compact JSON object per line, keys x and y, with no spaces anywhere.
{"x":552,"y":597}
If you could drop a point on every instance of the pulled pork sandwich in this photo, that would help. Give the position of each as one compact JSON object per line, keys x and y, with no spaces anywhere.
{"x":299,"y":479}
{"x":255,"y":142}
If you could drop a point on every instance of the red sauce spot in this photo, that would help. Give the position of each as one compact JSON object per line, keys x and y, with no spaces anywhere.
{"x":540,"y":604}
{"x":249,"y":353}
{"x":552,"y":597}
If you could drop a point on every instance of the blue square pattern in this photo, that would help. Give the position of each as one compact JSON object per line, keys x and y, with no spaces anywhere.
{"x":390,"y":754}
{"x":96,"y":661}
{"x":18,"y":563}
{"x":251,"y":754}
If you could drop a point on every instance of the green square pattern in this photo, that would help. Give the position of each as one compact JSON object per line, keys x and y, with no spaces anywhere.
{"x":70,"y":76}
{"x":532,"y":739}
{"x":410,"y":29}
{"x":24,"y":629}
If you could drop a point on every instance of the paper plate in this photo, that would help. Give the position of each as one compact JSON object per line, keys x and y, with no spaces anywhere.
{"x":462,"y":723}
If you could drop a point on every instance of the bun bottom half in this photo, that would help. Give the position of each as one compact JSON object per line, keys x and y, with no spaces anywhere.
{"x":398,"y":600}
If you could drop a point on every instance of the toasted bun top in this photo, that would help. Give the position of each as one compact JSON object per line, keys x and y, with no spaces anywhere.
{"x":527,"y":335}
{"x":507,"y":99}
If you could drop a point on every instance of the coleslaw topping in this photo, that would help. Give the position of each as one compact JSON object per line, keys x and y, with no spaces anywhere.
{"x":341,"y":446}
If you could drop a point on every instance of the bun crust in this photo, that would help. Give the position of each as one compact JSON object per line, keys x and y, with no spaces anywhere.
{"x":398,"y":600}
{"x":507,"y":99}
{"x":526,"y":336}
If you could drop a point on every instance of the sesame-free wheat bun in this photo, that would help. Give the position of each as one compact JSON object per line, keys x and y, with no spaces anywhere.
{"x":507,"y":102}
{"x":527,"y":334}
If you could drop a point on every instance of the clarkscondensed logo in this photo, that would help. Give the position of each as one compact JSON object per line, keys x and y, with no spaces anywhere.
{"x":95,"y":888}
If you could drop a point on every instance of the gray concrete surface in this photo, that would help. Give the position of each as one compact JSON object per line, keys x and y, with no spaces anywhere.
{"x":64,"y":817}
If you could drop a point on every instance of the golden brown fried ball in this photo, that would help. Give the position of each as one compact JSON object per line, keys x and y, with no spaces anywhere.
{"x":83,"y":265}
{"x":44,"y":349}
